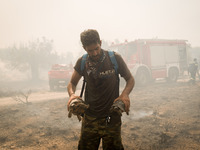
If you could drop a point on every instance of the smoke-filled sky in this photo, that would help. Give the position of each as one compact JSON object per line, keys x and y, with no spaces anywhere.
{"x":64,"y":20}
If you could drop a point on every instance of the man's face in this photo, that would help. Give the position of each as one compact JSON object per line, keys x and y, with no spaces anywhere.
{"x":94,"y":51}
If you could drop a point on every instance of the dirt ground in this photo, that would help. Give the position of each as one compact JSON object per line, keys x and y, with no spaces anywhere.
{"x":162,"y":116}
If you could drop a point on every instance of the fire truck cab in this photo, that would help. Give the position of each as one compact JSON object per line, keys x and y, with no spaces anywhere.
{"x":149,"y":59}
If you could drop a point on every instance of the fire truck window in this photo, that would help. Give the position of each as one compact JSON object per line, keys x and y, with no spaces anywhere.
{"x":126,"y":50}
{"x":130,"y":50}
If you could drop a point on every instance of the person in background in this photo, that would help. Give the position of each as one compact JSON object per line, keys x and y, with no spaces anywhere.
{"x":193,"y":70}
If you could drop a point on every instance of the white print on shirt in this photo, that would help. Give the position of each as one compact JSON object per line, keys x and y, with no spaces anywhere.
{"x":107,"y":73}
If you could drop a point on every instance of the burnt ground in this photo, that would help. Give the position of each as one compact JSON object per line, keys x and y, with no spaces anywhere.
{"x":162,"y":116}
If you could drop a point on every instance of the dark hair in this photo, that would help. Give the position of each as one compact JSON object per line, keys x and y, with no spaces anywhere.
{"x":89,"y":37}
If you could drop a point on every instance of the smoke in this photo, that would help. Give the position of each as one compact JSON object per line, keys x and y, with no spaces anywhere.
{"x":10,"y":75}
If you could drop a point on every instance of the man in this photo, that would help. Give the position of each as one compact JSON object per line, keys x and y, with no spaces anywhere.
{"x":193,"y":70}
{"x":102,"y":89}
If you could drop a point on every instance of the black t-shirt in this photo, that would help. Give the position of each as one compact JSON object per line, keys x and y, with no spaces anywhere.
{"x":193,"y":68}
{"x":102,"y":86}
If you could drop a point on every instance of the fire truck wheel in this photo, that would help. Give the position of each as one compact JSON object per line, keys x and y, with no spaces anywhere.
{"x":142,"y":77}
{"x":173,"y":75}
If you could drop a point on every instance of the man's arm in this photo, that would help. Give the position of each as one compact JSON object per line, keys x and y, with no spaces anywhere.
{"x":130,"y":82}
{"x":71,"y":88}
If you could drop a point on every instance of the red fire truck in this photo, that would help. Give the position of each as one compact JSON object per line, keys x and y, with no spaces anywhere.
{"x":59,"y":75}
{"x":149,"y":59}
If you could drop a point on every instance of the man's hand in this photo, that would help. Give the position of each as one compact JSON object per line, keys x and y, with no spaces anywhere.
{"x":126,"y":100}
{"x":77,"y":107}
{"x":124,"y":97}
{"x":118,"y":106}
{"x":72,"y":97}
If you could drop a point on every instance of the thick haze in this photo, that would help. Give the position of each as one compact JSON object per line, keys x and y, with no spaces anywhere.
{"x":63,"y":20}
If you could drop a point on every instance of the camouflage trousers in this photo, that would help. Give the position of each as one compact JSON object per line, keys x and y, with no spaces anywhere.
{"x":93,"y":130}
